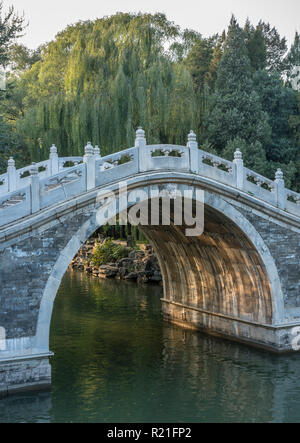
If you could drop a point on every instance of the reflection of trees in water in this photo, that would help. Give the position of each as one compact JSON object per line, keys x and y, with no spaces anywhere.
{"x":97,"y":345}
{"x":33,"y":407}
{"x":231,"y":381}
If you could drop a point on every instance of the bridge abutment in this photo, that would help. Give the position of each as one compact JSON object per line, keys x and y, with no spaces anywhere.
{"x":24,"y":374}
{"x":272,"y":338}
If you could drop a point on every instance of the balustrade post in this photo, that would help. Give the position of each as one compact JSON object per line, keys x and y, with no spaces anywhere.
{"x":90,"y":161}
{"x":239,"y":169}
{"x":35,"y":188}
{"x":97,"y":153}
{"x":54,"y":165}
{"x":194,"y":152}
{"x":11,"y":175}
{"x":280,"y":189}
{"x":144,"y":153}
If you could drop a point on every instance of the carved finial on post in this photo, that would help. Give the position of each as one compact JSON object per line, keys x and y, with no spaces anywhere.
{"x":90,"y":161}
{"x":192,"y":140}
{"x":278,"y":175}
{"x":194,"y":152}
{"x":11,"y":174}
{"x":238,"y":155}
{"x":97,"y":152}
{"x":140,"y":140}
{"x":239,"y":168}
{"x":53,"y":150}
{"x":88,"y":150}
{"x":280,"y":189}
{"x":11,"y":162}
{"x":54,"y":164}
{"x":35,"y":188}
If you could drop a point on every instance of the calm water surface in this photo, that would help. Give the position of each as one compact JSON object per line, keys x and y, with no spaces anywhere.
{"x":117,"y":361}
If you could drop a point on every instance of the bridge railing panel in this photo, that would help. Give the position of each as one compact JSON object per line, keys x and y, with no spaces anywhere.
{"x":60,"y":187}
{"x":69,"y":162}
{"x":57,"y":179}
{"x":116,"y":167}
{"x":15,"y":205}
{"x":217,"y":168}
{"x":3,"y":184}
{"x":260,"y":187}
{"x":293,"y":202}
{"x":168,"y":157}
{"x":23,"y":174}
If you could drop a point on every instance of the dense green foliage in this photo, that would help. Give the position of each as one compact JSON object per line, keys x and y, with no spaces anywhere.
{"x":235,"y":112}
{"x":11,"y":27}
{"x":99,"y":80}
{"x":11,"y":145}
{"x":109,"y":252}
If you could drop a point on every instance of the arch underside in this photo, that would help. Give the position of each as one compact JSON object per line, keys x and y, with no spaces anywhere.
{"x":224,"y":274}
{"x":219,"y":272}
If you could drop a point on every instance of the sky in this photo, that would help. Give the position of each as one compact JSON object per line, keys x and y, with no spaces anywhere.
{"x":47,"y":18}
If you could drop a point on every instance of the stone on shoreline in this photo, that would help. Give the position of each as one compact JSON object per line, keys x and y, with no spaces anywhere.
{"x":108,"y":271}
{"x":140,"y":266}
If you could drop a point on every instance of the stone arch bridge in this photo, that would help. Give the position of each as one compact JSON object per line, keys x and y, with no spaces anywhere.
{"x":240,"y":279}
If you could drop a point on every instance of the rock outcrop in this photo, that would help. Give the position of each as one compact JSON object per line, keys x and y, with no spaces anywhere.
{"x":140,"y":266}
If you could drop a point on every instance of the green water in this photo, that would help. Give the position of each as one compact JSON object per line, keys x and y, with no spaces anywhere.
{"x":117,"y":361}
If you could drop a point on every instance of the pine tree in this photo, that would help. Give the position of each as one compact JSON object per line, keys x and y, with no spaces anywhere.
{"x":235,"y":112}
{"x":199,"y":61}
{"x":295,"y":126}
{"x":280,"y":102}
{"x":276,"y":47}
{"x":256,"y":46}
{"x":215,"y":62}
{"x":292,"y":63}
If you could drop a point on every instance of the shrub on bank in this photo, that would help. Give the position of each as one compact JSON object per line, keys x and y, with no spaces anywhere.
{"x":109,"y":252}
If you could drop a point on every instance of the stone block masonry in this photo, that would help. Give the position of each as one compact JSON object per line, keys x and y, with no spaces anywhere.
{"x":24,"y":375}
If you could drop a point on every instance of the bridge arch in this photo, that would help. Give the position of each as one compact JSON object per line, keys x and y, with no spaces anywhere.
{"x":240,"y":279}
{"x":228,"y":282}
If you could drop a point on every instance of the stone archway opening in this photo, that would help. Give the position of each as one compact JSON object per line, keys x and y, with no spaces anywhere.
{"x":217,"y":281}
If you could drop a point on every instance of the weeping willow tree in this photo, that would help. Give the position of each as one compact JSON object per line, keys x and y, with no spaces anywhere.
{"x":100,"y":80}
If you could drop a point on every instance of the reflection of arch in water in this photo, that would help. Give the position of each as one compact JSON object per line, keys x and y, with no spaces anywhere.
{"x":26,"y":408}
{"x":218,"y":369}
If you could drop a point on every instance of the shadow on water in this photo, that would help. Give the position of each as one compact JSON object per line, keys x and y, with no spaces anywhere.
{"x":26,"y":408}
{"x":117,"y":361}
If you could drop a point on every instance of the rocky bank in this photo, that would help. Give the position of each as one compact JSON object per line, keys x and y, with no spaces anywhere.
{"x":141,"y":266}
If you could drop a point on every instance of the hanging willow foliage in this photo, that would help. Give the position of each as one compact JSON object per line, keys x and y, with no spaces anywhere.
{"x":99,"y":80}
